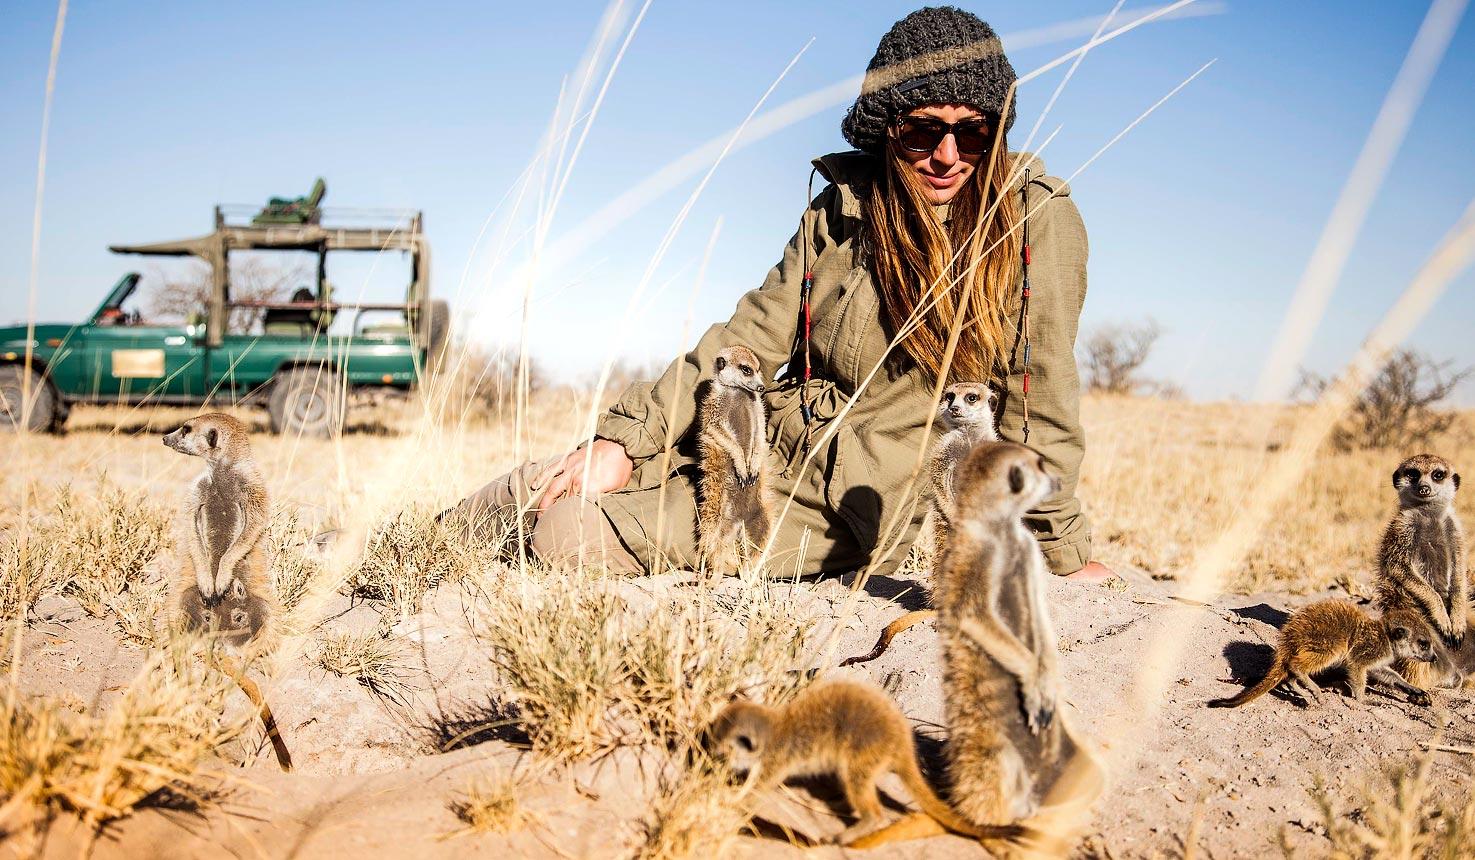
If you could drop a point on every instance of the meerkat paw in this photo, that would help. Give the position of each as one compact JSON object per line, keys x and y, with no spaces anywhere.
{"x":1039,"y":708}
{"x":1419,"y":697}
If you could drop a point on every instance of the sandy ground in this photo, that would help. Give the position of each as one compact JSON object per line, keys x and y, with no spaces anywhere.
{"x":371,"y":780}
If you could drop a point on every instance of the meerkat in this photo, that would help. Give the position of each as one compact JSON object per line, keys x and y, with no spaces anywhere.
{"x":967,"y":409}
{"x":733,"y":513}
{"x":1337,"y":633}
{"x":1011,"y":751}
{"x":1421,"y":563}
{"x":850,"y":730}
{"x":221,"y":588}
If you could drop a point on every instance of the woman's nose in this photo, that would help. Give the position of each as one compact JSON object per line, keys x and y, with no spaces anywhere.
{"x":947,"y":150}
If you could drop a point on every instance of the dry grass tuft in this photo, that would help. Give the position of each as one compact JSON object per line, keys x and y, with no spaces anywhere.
{"x":493,"y":805}
{"x":95,"y":550}
{"x":557,"y":642}
{"x":696,"y":812}
{"x":1397,"y":818}
{"x":411,"y":554}
{"x":155,"y":737}
{"x":590,"y":669}
{"x":294,"y":567}
{"x":373,"y":660}
{"x":105,"y":543}
{"x":694,"y":651}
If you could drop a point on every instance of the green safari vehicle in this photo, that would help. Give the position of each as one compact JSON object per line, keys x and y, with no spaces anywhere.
{"x":293,"y":366}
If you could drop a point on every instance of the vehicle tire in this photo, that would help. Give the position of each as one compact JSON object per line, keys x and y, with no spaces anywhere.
{"x":440,"y":333}
{"x":12,"y":390}
{"x":306,"y":401}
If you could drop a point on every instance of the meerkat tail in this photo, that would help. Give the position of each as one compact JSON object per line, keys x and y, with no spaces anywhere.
{"x":229,"y":666}
{"x":1278,"y":673}
{"x":943,"y":814}
{"x":891,"y":631}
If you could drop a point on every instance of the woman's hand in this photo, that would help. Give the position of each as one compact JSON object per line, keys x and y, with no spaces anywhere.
{"x":608,"y":469}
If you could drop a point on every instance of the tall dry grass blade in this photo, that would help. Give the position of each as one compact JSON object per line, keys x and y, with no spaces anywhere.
{"x":1350,"y":211}
{"x":648,"y":190}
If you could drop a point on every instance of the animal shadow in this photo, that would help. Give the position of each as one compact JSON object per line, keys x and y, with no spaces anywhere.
{"x":1263,"y":612}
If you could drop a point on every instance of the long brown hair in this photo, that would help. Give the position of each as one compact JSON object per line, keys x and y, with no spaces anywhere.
{"x":914,"y":257}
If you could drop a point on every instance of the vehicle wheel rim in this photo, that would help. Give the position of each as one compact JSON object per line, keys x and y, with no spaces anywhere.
{"x":309,"y":407}
{"x":11,"y":398}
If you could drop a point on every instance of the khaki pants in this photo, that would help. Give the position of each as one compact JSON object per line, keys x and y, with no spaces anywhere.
{"x":574,"y":530}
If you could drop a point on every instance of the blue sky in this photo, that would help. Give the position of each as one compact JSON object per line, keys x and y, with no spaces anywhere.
{"x":1202,"y":218}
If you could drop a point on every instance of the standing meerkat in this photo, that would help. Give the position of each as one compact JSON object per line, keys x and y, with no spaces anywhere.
{"x":733,"y":515}
{"x":1421,"y":561}
{"x":1337,"y":633}
{"x":850,"y":730}
{"x":967,"y":409}
{"x":1011,"y":752}
{"x":221,"y":587}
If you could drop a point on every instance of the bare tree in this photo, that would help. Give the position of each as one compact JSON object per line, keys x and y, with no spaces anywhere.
{"x":252,"y":279}
{"x":1113,"y":355}
{"x":1400,"y":408}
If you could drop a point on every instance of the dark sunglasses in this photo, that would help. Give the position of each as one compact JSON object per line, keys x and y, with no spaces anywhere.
{"x":925,"y":133}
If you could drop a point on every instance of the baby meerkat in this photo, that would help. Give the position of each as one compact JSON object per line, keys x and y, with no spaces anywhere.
{"x":1337,"y":633}
{"x":850,"y":730}
{"x":221,"y":587}
{"x":1421,"y":562}
{"x":967,"y":410}
{"x":733,"y":515}
{"x":1011,"y":750}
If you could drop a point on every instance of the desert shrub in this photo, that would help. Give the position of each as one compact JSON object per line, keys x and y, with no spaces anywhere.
{"x":293,"y":566}
{"x":692,"y":654}
{"x":589,"y":669}
{"x":1400,"y":407}
{"x":411,"y":554}
{"x":96,"y":550}
{"x":375,"y":661}
{"x":493,"y":805}
{"x":105,"y":544}
{"x":1395,"y":815}
{"x":1113,"y":355}
{"x":559,"y":647}
{"x":696,"y":812}
{"x":166,"y":724}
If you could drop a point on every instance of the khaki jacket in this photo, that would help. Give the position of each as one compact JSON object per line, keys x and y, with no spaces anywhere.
{"x":859,"y":474}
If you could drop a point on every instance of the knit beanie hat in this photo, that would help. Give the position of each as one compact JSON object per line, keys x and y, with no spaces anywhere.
{"x":936,"y":55}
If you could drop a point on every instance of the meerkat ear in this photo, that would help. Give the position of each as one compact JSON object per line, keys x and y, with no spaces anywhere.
{"x":1396,"y":473}
{"x":211,"y":436}
{"x":1456,"y":478}
{"x":1016,"y":479}
{"x":719,"y":364}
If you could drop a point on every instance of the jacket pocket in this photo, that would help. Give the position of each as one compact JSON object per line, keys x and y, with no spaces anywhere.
{"x":850,"y":489}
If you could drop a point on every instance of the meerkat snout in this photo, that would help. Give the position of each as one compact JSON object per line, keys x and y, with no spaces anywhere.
{"x":969,"y":405}
{"x":1425,"y":478}
{"x":188,"y":439}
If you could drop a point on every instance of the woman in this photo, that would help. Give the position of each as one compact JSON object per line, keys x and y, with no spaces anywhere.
{"x":887,"y":228}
